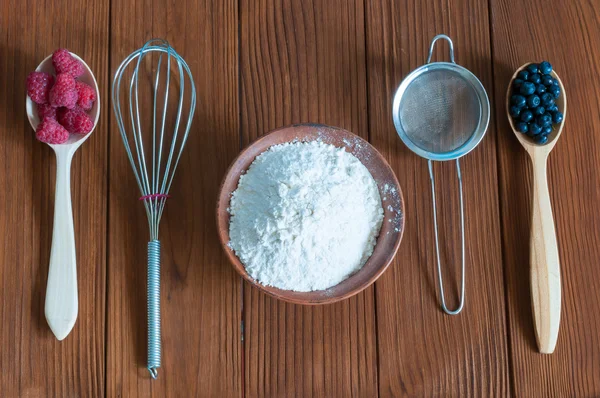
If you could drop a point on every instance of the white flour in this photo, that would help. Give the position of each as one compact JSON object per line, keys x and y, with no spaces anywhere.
{"x":305,"y":216}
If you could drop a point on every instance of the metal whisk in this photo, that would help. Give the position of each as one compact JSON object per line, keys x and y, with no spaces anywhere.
{"x":154,"y":180}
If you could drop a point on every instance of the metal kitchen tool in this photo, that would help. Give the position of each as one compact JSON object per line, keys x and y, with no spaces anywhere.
{"x":163,"y":145}
{"x":441,"y":112}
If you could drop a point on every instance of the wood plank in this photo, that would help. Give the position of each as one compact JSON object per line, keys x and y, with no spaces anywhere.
{"x":33,"y":362}
{"x":304,"y":61}
{"x":568,"y":35}
{"x":422,"y":351}
{"x":201,"y":302}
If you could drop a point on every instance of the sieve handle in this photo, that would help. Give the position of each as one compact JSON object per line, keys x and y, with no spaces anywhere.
{"x":433,"y":45}
{"x":462,"y":243}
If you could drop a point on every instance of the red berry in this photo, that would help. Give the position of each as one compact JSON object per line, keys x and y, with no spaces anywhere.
{"x":86,"y":95}
{"x":76,"y":121}
{"x":51,"y":132}
{"x":38,"y":86}
{"x":64,"y":62}
{"x":46,"y":110}
{"x":63,"y":93}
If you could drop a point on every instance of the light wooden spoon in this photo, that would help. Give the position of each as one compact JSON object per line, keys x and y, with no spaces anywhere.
{"x":62,"y":304}
{"x":545,"y":266}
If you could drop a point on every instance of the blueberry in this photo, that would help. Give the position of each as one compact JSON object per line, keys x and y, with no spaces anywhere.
{"x":526,"y":116}
{"x":535,"y":78}
{"x":547,"y":80}
{"x":540,"y":89}
{"x":547,"y":130}
{"x":541,"y":139}
{"x":547,"y":100}
{"x":533,"y":101}
{"x":518,"y":100}
{"x":517,"y":82}
{"x":545,"y":67}
{"x":515,"y":111}
{"x":557,"y":117}
{"x":527,"y":88}
{"x":523,"y":75}
{"x":553,"y":108}
{"x":544,"y":120}
{"x":522,"y":127}
{"x":533,"y":68}
{"x":539,"y":110}
{"x":535,"y":129}
{"x":554,"y":90}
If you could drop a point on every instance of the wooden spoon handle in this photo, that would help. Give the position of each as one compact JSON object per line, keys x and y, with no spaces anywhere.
{"x":545,"y":266}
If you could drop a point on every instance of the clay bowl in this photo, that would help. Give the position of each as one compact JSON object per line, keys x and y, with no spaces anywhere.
{"x":389,"y":236}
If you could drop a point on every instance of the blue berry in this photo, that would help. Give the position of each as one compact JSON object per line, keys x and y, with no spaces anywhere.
{"x":544,"y":120}
{"x":539,"y":110}
{"x":526,"y":116}
{"x":547,"y":80}
{"x":535,"y":78}
{"x":547,"y":100}
{"x":541,"y":139}
{"x":517,"y":82}
{"x":533,"y":101}
{"x":518,"y":100}
{"x":552,"y":108}
{"x":545,"y":67}
{"x":533,"y":68}
{"x":523,"y":75}
{"x":547,"y":130}
{"x":557,"y":117}
{"x":535,"y":129}
{"x":515,"y":111}
{"x":540,"y":89}
{"x":527,"y":88}
{"x":554,"y":90}
{"x":522,"y":127}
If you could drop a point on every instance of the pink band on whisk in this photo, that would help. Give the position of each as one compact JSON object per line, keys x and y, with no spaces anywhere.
{"x":155,"y":196}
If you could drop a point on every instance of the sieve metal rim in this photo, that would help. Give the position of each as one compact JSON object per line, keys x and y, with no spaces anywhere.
{"x":484,"y":105}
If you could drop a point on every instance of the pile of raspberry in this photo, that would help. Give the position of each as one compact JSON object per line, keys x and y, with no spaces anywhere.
{"x":62,"y":102}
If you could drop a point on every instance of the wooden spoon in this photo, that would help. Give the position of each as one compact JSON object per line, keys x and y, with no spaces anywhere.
{"x":62,"y":304}
{"x":545,"y":266}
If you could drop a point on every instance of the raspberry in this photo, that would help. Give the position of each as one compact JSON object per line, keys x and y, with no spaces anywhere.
{"x":63,"y":93}
{"x":86,"y":95}
{"x":46,"y":110}
{"x":64,"y":62}
{"x":38,"y":86}
{"x":51,"y":132}
{"x":76,"y":121}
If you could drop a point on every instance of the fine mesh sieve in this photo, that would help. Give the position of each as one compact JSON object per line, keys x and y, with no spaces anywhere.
{"x":441,"y":112}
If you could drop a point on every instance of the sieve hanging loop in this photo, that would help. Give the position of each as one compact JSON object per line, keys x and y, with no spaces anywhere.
{"x":462,"y":238}
{"x":432,"y":45}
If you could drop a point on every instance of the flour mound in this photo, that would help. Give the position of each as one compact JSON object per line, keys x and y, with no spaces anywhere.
{"x":305,"y":216}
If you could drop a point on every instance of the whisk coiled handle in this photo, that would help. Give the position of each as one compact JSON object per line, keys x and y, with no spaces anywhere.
{"x":154,"y":307}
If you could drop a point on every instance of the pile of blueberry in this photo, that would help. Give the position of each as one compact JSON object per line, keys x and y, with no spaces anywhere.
{"x":532,"y":104}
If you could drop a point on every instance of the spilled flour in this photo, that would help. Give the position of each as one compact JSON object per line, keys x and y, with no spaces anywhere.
{"x":305,"y":216}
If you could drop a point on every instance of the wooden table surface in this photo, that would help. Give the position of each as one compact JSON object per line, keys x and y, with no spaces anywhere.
{"x":258,"y":65}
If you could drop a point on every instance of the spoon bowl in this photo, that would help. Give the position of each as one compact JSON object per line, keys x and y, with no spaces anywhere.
{"x":543,"y":258}
{"x":61,"y":305}
{"x":561,"y":102}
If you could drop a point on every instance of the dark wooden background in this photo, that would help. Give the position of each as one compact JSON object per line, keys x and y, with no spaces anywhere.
{"x":258,"y":65}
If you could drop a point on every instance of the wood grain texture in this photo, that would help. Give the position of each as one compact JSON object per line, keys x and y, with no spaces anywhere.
{"x":422,"y":351}
{"x":567,"y":34}
{"x":304,"y":61}
{"x":33,"y":362}
{"x":200,"y":292}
